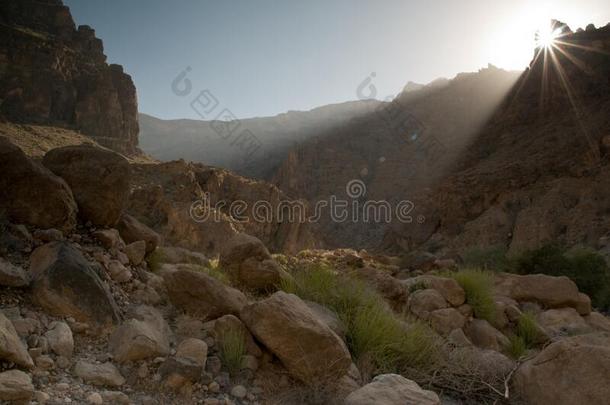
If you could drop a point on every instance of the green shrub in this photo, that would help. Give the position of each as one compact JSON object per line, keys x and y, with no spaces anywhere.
{"x":478,"y":286}
{"x":527,"y":329}
{"x":155,"y":260}
{"x":517,"y":346}
{"x":232,"y":349}
{"x":493,"y":258}
{"x":375,"y":335}
{"x":586,"y":268}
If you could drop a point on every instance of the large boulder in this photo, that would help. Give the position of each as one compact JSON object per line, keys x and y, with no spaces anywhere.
{"x":132,"y":230}
{"x":202,"y":295}
{"x":11,"y":347}
{"x":16,"y":387}
{"x":65,"y":285}
{"x":549,"y":291}
{"x":250,"y":264}
{"x":570,"y":371}
{"x":562,"y":321}
{"x":392,"y":389}
{"x":447,"y":287}
{"x":12,"y":276}
{"x":178,"y":255}
{"x":145,"y":335}
{"x":99,"y":179}
{"x":422,"y":302}
{"x":483,"y":335}
{"x":31,"y":194}
{"x":445,"y":320}
{"x":307,"y":347}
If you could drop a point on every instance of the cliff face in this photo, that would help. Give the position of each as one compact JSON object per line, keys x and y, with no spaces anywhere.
{"x":402,"y":146}
{"x":53,"y":73}
{"x":539,"y":171}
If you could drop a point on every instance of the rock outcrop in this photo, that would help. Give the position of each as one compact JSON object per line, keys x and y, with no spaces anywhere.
{"x":99,"y":180}
{"x":65,"y":284}
{"x":308,"y":348}
{"x":571,"y":371}
{"x":249,"y":264}
{"x":392,"y":389}
{"x":54,"y":73}
{"x":31,"y":194}
{"x":202,"y":295}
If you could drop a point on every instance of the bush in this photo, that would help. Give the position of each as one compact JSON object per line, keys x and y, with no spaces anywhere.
{"x":527,"y":329}
{"x":155,"y":260}
{"x":375,"y":335}
{"x":517,"y":346}
{"x":586,"y":268}
{"x":232,"y":349}
{"x":493,"y":258}
{"x":478,"y":286}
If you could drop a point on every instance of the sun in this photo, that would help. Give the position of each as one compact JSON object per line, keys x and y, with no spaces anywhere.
{"x":546,"y":36}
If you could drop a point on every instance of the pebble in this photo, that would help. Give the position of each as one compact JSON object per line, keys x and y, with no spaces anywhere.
{"x":239,"y":391}
{"x":95,"y":398}
{"x":214,"y":387}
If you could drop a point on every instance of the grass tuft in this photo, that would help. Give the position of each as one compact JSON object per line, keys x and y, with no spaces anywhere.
{"x":375,"y":335}
{"x":232,"y":350}
{"x":155,"y":260}
{"x":527,"y":329}
{"x":478,"y":286}
{"x":517,"y":347}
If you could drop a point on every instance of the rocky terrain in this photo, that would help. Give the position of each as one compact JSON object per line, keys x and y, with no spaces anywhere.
{"x":123,"y":281}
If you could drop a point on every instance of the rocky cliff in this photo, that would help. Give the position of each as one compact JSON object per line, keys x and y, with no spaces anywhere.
{"x":56,"y":74}
{"x":402,"y":146}
{"x":539,"y":170}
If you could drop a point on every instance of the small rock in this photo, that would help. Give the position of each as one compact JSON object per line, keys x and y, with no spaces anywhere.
{"x":12,"y":349}
{"x":136,"y":251}
{"x":12,"y":276}
{"x":60,"y":339}
{"x":214,"y":387}
{"x":48,"y":235}
{"x":41,"y":397}
{"x":239,"y":391}
{"x":99,"y":374}
{"x":95,"y":398}
{"x":193,"y":349}
{"x":45,"y":362}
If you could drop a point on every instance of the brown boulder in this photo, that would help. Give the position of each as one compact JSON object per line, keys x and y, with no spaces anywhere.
{"x":16,"y":387}
{"x":483,"y":335}
{"x":11,"y":347}
{"x":12,"y":276}
{"x":145,"y":335}
{"x":392,"y":389}
{"x":307,"y":347}
{"x":65,"y":285}
{"x":202,"y":295}
{"x":552,"y":292}
{"x":99,"y":180}
{"x":423,"y":302}
{"x":132,"y":230}
{"x":448,"y":287}
{"x":249,"y":263}
{"x":571,"y":371}
{"x":31,"y":194}
{"x":562,"y":321}
{"x":447,"y":319}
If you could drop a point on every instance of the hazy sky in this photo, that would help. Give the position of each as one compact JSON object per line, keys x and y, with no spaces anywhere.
{"x":263,"y":57}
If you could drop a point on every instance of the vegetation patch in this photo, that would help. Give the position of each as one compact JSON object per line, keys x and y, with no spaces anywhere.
{"x":478,"y":286}
{"x":232,"y":349}
{"x":586,"y":268}
{"x":377,"y":338}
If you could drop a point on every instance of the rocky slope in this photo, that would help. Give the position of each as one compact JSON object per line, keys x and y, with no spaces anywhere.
{"x":538,"y":171}
{"x":199,"y":141}
{"x":403,"y":146}
{"x":53,"y":73}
